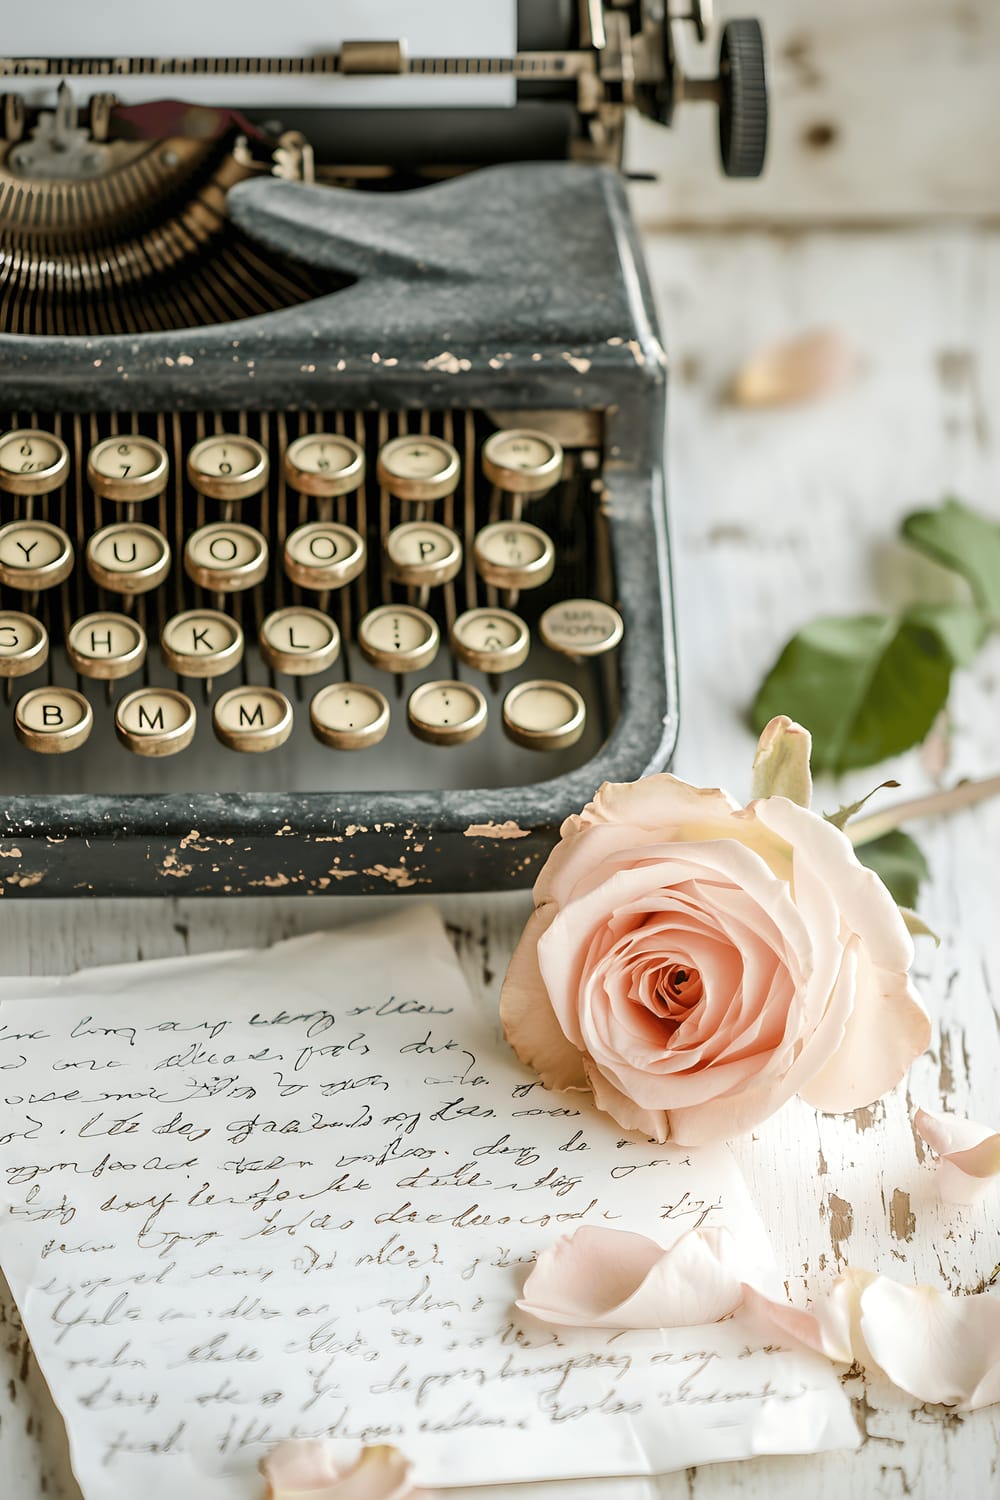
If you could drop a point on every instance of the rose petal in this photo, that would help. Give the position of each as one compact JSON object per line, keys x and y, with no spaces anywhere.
{"x":611,"y":1278}
{"x":799,"y":369}
{"x":969,"y":1152}
{"x":826,"y":1325}
{"x":314,"y":1470}
{"x":781,"y":764}
{"x":934,"y":1346}
{"x":529,"y":1022}
{"x":654,"y":1124}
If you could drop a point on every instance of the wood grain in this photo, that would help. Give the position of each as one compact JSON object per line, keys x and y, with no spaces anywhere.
{"x":775,"y":516}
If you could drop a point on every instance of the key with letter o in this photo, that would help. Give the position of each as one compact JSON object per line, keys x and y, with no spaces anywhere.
{"x":226,"y":557}
{"x":34,"y":555}
{"x":324,"y":555}
{"x":201,"y":643}
{"x":53,"y":720}
{"x":106,"y":646}
{"x":155,"y":721}
{"x":24,"y":644}
{"x":252,"y":718}
{"x":299,"y":641}
{"x":128,"y":557}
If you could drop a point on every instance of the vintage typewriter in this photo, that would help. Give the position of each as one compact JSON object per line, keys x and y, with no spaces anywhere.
{"x":333,"y":550}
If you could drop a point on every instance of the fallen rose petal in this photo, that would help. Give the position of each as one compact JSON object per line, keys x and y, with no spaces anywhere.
{"x":799,"y":369}
{"x":936,"y":1347}
{"x":969,"y":1154}
{"x":826,"y":1325}
{"x":612,"y":1278}
{"x":316,"y":1470}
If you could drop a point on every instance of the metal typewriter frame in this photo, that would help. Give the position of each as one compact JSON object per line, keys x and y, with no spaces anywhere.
{"x":598,"y":349}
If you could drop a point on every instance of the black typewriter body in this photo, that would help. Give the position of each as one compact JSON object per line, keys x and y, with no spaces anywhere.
{"x":508,"y":300}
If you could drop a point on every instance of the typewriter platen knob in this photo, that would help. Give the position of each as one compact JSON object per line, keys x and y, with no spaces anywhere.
{"x":228,"y":466}
{"x":128,"y":468}
{"x":324,"y":464}
{"x":419,"y":467}
{"x":32,"y":462}
{"x":522,"y":461}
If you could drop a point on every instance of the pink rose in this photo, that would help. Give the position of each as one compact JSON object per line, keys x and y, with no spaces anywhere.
{"x":694,"y":963}
{"x":317,"y":1469}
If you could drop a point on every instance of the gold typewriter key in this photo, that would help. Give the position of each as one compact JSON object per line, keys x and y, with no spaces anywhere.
{"x":24,"y":644}
{"x":418,"y":468}
{"x":53,"y":720}
{"x":324,"y":464}
{"x":155,"y":721}
{"x":226,"y":557}
{"x":581,"y":627}
{"x":324,"y":555}
{"x":446,"y":713}
{"x":398,"y":638}
{"x":106,"y":646}
{"x":252,"y":718}
{"x":544,"y":715}
{"x":514,"y":555}
{"x":201,"y":643}
{"x":349,"y":716}
{"x":128,"y":557}
{"x":423,"y":554}
{"x":299,"y":641}
{"x":228,"y":467}
{"x":491,"y":640}
{"x":128,"y":468}
{"x":34,"y":555}
{"x":521,"y":461}
{"x":32,"y":462}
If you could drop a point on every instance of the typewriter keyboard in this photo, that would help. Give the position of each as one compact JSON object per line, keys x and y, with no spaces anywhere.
{"x":179,"y":592}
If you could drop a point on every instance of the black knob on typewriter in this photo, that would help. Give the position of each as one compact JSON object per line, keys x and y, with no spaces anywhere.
{"x":742,"y":99}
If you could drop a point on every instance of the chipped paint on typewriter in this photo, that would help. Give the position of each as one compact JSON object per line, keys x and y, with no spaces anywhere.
{"x":333,"y":549}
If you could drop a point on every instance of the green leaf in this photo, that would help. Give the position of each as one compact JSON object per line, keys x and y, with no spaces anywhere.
{"x":900,"y":863}
{"x":916,"y":926}
{"x":867,"y":686}
{"x":844,"y":814}
{"x":961,"y":628}
{"x":965,"y":541}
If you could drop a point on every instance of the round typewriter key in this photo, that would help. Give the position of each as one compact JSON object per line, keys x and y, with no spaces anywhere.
{"x":53,"y":720}
{"x":228,"y":466}
{"x":514,"y":555}
{"x":34,"y":555}
{"x":129,"y":467}
{"x":128,"y":557}
{"x":106,"y":646}
{"x":155,"y":721}
{"x":521,"y":461}
{"x":423,"y":554}
{"x":324,"y":464}
{"x":418,"y":468}
{"x":581,"y":627}
{"x":252,"y":718}
{"x":544,"y":715}
{"x":324,"y":555}
{"x":24,"y":644}
{"x":226,"y":557}
{"x":398,"y":638}
{"x":201,"y":643}
{"x":491,"y":640}
{"x":349,"y":716}
{"x":32,"y":462}
{"x":299,"y":641}
{"x":446,"y":713}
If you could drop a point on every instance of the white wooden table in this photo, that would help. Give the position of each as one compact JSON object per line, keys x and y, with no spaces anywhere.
{"x":774,"y":516}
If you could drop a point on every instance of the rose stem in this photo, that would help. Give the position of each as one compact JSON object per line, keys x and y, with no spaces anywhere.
{"x":965,"y":794}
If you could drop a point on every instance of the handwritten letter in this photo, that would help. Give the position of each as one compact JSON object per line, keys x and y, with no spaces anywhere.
{"x":296,"y":1192}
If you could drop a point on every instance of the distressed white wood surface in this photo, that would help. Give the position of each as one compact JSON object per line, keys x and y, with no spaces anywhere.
{"x":775,"y":516}
{"x":880,"y":109}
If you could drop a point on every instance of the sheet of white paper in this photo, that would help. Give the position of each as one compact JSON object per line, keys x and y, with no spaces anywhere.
{"x":296,"y":1191}
{"x":295,"y":28}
